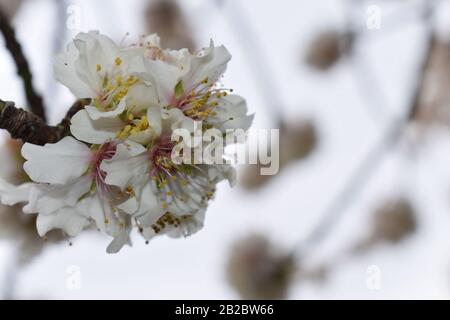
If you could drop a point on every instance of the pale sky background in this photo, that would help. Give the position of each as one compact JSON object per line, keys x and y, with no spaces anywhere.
{"x":288,"y":208}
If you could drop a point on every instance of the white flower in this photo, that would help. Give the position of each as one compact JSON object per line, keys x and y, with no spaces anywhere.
{"x":189,"y":82}
{"x":70,"y":181}
{"x":95,"y":67}
{"x":118,"y":170}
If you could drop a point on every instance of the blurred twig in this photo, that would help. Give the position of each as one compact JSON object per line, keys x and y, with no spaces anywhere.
{"x":35,"y":101}
{"x":365,"y":170}
{"x":28,"y":127}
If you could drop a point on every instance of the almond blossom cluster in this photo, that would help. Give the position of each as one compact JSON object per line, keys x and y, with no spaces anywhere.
{"x":116,"y":171}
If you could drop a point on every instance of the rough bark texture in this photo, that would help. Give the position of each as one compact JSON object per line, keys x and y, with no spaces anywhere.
{"x":30,"y":128}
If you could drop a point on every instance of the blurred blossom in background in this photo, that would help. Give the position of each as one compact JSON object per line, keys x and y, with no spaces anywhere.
{"x":360,"y":91}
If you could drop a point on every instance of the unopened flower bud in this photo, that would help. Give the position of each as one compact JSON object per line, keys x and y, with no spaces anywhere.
{"x":257,"y":269}
{"x":298,"y":140}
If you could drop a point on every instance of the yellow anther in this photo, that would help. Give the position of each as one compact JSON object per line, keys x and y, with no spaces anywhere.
{"x":118,"y":61}
{"x":143,"y":123}
{"x":99,"y":67}
{"x":118,"y":79}
{"x":130,"y":191}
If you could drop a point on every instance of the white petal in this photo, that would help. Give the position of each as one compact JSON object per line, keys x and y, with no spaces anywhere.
{"x":154,"y":120}
{"x":96,"y":114}
{"x":119,"y":241}
{"x":165,"y":78}
{"x":11,"y":194}
{"x":60,"y":162}
{"x":130,"y":206}
{"x":141,"y":97}
{"x":150,"y":209}
{"x":94,"y":49}
{"x":143,"y":137}
{"x":94,"y":131}
{"x":64,"y":72}
{"x":46,"y":199}
{"x":128,"y":165}
{"x":67,"y":219}
{"x":211,"y":66}
{"x":231,"y":113}
{"x":224,"y":171}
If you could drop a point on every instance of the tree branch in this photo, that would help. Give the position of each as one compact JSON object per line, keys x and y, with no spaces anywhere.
{"x":30,"y":128}
{"x":35,"y":102}
{"x":362,"y":174}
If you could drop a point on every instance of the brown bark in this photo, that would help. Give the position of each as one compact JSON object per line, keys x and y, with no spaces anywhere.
{"x":30,"y":128}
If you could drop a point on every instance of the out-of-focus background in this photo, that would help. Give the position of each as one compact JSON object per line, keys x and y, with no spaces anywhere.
{"x":361,"y":206}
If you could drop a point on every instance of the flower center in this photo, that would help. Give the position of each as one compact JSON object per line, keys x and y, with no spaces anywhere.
{"x":105,"y":152}
{"x":115,"y":86}
{"x":202,"y":100}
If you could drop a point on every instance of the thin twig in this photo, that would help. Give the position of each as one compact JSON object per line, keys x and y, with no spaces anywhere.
{"x":367,"y":83}
{"x":30,"y":128}
{"x":365,"y":170}
{"x":257,"y":60}
{"x":59,"y":36}
{"x":35,"y":102}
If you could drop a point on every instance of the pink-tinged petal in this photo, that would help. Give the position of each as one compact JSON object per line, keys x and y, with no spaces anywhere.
{"x":57,"y":163}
